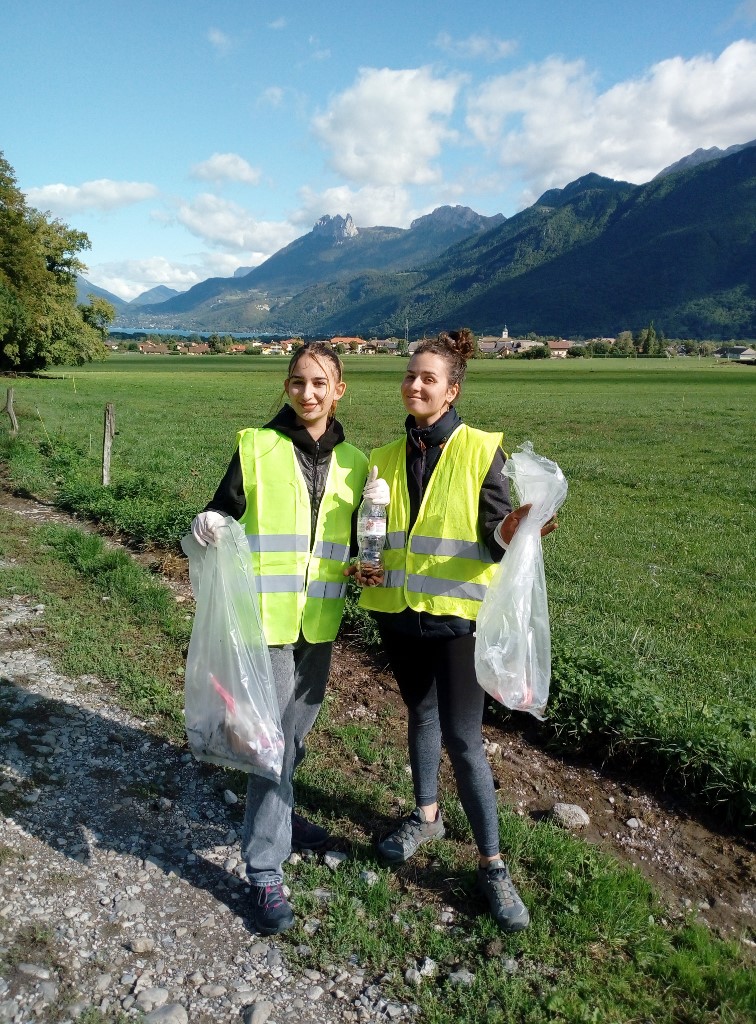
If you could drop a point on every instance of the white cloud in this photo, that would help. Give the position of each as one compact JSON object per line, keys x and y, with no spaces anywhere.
{"x":273,"y":96}
{"x":129,"y":278}
{"x":220,"y":42}
{"x":226,"y":225}
{"x":318,"y":52}
{"x":102,"y":195}
{"x":226,"y":167}
{"x":476,"y":47}
{"x":550,"y":123}
{"x":387,"y":205}
{"x":746,"y":12}
{"x":389,"y":127}
{"x":278,"y":24}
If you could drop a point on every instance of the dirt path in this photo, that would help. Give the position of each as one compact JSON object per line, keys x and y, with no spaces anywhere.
{"x":696,"y":868}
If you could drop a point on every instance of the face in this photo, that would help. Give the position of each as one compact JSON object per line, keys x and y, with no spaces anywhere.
{"x":312,"y":390}
{"x":426,"y":391}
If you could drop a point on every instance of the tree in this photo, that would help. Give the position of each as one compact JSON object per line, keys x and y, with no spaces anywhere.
{"x":623,"y":344}
{"x":598,"y":347}
{"x":536,"y":352}
{"x":40,"y":322}
{"x":99,"y":314}
{"x":218,"y":344}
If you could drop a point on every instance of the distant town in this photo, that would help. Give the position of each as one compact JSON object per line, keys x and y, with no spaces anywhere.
{"x":488,"y":346}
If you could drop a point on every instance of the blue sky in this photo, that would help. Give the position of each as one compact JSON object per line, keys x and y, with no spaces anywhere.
{"x":189,"y":138}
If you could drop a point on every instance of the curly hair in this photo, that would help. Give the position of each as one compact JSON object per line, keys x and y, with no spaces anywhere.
{"x":455,"y":347}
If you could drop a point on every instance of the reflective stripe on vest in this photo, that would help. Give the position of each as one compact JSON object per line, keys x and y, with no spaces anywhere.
{"x":269,"y":584}
{"x":301,"y":586}
{"x":446,"y":588}
{"x":450,"y":548}
{"x":443,"y":567}
{"x":396,"y":539}
{"x":279,"y":542}
{"x":327,"y":549}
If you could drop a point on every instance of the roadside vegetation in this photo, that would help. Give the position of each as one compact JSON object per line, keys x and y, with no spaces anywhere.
{"x":600,"y":947}
{"x":649,"y":575}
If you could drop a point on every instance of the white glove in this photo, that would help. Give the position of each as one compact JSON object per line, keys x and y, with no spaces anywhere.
{"x":376,"y":489}
{"x":205,"y":527}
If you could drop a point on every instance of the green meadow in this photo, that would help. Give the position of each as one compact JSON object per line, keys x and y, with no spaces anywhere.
{"x":650,"y":575}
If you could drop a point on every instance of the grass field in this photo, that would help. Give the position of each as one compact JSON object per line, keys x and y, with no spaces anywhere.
{"x":650,"y":575}
{"x":600,"y":948}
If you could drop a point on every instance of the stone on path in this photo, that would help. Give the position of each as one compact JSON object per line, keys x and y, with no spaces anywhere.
{"x":569,"y":816}
{"x":258,"y":1013}
{"x":334,"y":859}
{"x":461,"y":977}
{"x":173,"y":1013}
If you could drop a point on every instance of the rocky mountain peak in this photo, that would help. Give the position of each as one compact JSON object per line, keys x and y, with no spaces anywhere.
{"x":448,"y":216}
{"x":336,"y":228}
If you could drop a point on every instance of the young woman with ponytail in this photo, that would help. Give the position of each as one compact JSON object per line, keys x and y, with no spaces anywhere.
{"x":449,"y":522}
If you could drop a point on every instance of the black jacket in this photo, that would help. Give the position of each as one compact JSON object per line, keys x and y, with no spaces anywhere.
{"x":314,"y":458}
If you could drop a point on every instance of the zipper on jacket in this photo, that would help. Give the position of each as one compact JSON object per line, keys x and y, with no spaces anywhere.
{"x":314,"y":508}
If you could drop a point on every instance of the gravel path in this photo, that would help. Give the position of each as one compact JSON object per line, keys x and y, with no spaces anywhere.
{"x":120,"y":885}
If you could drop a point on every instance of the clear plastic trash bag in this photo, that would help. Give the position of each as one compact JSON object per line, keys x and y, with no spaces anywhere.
{"x":513,"y":639}
{"x":231,"y":710}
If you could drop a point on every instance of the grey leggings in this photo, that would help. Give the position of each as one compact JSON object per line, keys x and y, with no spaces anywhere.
{"x":437,"y":682}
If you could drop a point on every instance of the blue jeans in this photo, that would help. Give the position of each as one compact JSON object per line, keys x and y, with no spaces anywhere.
{"x":300,"y":671}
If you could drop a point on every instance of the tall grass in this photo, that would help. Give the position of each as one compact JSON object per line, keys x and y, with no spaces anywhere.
{"x":650,"y":570}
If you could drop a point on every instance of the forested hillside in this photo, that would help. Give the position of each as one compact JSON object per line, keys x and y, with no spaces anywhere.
{"x":594,"y":258}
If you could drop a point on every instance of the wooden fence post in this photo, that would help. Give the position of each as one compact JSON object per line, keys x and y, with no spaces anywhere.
{"x":107,"y":442}
{"x":11,"y":413}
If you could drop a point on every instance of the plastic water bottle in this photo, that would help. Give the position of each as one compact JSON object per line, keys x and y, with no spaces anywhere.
{"x":371,"y":536}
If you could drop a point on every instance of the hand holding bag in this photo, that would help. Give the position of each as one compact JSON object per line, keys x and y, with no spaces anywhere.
{"x":513,"y":639}
{"x":232,"y":715}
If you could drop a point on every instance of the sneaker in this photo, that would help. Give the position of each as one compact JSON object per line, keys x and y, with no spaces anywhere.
{"x":399,"y":845}
{"x":507,"y":909}
{"x":306,"y":835}
{"x":271,"y":912}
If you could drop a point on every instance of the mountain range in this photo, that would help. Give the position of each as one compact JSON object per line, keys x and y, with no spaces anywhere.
{"x":596,"y":257}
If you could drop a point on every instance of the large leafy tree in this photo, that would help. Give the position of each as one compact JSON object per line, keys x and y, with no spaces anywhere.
{"x":40,"y":322}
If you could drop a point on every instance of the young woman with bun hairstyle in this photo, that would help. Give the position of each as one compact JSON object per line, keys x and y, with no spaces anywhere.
{"x":294,"y":485}
{"x":450,"y":520}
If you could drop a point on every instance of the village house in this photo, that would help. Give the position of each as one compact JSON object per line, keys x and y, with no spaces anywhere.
{"x":352,"y":344}
{"x":736,"y":353}
{"x":559,"y":349}
{"x":149,"y":348}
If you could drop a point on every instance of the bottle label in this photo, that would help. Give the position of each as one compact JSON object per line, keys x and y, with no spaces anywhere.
{"x":374,"y":527}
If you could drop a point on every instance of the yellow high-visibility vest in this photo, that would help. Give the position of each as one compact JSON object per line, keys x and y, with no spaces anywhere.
{"x":442,"y":565}
{"x":301,"y":587}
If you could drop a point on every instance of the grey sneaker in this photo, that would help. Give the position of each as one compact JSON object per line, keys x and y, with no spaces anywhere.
{"x":399,"y":845}
{"x":507,"y":909}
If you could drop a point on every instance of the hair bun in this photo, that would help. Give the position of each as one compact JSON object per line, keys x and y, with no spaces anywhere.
{"x":460,"y":341}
